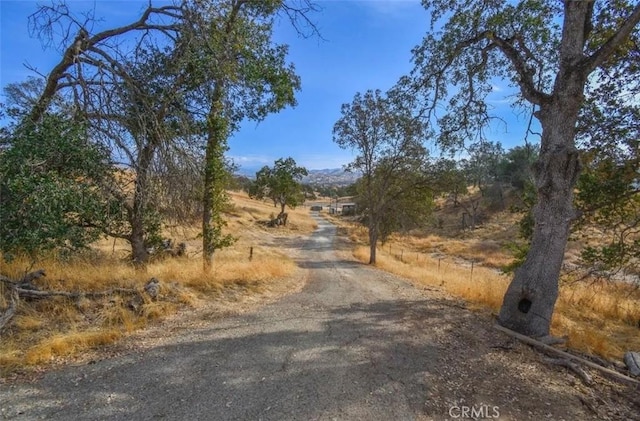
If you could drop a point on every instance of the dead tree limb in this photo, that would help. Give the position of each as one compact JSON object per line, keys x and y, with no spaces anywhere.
{"x":11,"y":311}
{"x":24,"y":289}
{"x":36,"y":274}
{"x":586,"y":378}
{"x":550,"y":349}
{"x":29,"y":293}
{"x":41,"y":20}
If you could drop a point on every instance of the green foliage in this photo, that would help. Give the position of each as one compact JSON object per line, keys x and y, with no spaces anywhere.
{"x":483,"y":165}
{"x":235,"y":71}
{"x":463,"y":55}
{"x":48,"y":187}
{"x":451,"y":179}
{"x":239,"y":183}
{"x":515,"y":165}
{"x":519,"y":251}
{"x":216,"y":199}
{"x":395,"y":191}
{"x":281,"y":183}
{"x":608,"y":199}
{"x":528,"y":197}
{"x":539,"y":46}
{"x":334,"y":191}
{"x":526,"y":224}
{"x":252,"y":68}
{"x":152,"y":225}
{"x":407,"y":204}
{"x":309,"y":193}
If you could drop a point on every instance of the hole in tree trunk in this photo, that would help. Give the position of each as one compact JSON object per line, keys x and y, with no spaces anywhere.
{"x":524,"y":305}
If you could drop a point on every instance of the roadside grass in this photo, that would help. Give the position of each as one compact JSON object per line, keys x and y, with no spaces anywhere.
{"x":44,"y":330}
{"x":599,"y":317}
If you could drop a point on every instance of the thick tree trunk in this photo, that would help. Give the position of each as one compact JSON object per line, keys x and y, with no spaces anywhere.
{"x":139,"y":253}
{"x":373,"y":241}
{"x":530,"y":299}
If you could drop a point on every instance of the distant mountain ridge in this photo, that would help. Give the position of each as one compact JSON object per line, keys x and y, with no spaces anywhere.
{"x":324,"y":177}
{"x":331,"y":177}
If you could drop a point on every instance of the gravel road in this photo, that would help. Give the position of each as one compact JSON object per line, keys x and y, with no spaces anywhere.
{"x":353,"y":344}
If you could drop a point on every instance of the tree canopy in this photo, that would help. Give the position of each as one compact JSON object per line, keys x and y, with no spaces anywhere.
{"x":49,"y":194}
{"x":280,"y":183}
{"x":394,"y":188}
{"x":567,"y":61}
{"x":162,"y":94}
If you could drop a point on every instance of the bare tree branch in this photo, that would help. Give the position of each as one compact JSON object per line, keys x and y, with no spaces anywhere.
{"x":605,"y":51}
{"x":82,"y":42}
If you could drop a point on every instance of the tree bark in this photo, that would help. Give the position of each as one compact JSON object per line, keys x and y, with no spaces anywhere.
{"x":140,"y":255}
{"x":139,"y":252}
{"x":373,"y":240}
{"x":217,"y":132}
{"x":529,"y":302}
{"x":11,"y":310}
{"x":82,"y":42}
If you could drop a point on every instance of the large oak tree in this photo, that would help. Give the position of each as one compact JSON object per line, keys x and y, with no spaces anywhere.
{"x":559,"y":56}
{"x":280,"y":183}
{"x":185,"y":69}
{"x":391,"y":157}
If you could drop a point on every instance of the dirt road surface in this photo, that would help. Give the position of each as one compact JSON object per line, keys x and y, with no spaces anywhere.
{"x":352,"y":343}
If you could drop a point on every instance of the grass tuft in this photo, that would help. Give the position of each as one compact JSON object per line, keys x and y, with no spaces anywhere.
{"x":67,"y":344}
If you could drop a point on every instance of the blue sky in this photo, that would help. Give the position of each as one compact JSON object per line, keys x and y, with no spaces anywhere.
{"x":367,"y":45}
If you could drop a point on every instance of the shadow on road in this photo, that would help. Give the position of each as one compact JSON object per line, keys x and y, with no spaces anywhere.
{"x":382,"y":360}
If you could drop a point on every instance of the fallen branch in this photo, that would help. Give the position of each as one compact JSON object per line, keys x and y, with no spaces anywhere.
{"x":11,"y":311}
{"x":25,"y":289}
{"x":8,"y":281}
{"x":29,"y":293}
{"x":536,"y":343}
{"x":553,"y":340}
{"x":586,"y":378}
{"x":26,"y":280}
{"x":37,"y":274}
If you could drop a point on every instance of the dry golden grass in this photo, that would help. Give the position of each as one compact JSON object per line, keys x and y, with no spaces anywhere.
{"x":480,"y":249}
{"x":67,"y":344}
{"x":484,"y":286}
{"x":601,"y":318}
{"x":44,"y":330}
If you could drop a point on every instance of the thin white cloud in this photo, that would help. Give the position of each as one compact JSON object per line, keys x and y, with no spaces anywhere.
{"x":251,"y":160}
{"x":499,"y":101}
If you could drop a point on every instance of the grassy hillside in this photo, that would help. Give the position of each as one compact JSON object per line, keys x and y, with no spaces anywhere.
{"x":598,"y":316}
{"x":44,"y":330}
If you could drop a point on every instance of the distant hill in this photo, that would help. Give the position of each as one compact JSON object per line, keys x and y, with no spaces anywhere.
{"x":326,"y":177}
{"x":330,"y":177}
